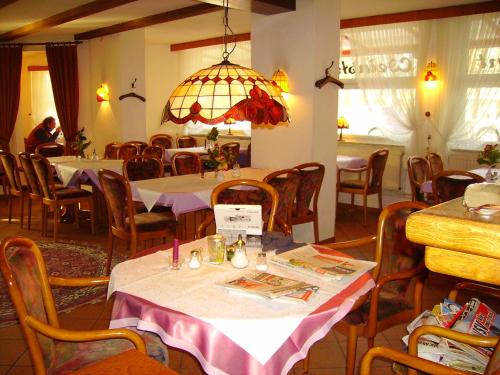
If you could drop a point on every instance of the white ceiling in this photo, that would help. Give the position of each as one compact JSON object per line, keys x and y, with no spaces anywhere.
{"x":24,"y":12}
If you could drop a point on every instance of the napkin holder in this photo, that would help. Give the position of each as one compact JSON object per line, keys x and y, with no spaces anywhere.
{"x":481,"y":195}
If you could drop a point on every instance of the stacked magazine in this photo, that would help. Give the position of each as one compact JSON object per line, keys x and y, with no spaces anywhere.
{"x":271,"y":286}
{"x":474,"y":317}
{"x":308,"y":260}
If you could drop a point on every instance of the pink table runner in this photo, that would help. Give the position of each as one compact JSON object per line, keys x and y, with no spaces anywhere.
{"x":211,"y":347}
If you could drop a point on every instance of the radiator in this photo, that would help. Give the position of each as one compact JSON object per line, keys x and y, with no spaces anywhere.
{"x":462,"y":160}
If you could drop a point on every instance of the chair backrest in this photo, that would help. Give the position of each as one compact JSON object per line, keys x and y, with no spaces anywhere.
{"x":11,"y":170}
{"x":139,"y":144}
{"x":127,"y":150}
{"x":186,"y":141}
{"x":118,"y":198}
{"x":141,"y":167}
{"x":29,"y":172}
{"x":286,"y":182}
{"x":435,"y":162}
{"x":163,"y":140}
{"x":157,"y":152}
{"x":50,"y":149}
{"x":233,"y":152}
{"x":264,"y":194}
{"x":493,"y":367}
{"x":111,"y":150}
{"x":392,"y":244}
{"x":375,"y":167}
{"x":44,"y":176}
{"x":311,"y":178}
{"x":446,"y":187}
{"x":419,"y":171}
{"x":185,"y":163}
{"x":23,"y":268}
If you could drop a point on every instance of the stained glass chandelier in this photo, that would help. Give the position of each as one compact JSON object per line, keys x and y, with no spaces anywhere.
{"x":225,"y":93}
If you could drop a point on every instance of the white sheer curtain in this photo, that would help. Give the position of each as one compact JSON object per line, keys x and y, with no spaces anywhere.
{"x":42,"y":99}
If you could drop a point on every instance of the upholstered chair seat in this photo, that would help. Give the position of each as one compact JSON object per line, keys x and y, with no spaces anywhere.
{"x":153,"y":221}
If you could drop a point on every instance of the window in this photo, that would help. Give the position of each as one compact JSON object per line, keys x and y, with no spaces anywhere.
{"x":42,"y":99}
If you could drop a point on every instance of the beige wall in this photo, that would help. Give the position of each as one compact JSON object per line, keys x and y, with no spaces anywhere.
{"x":303,"y":42}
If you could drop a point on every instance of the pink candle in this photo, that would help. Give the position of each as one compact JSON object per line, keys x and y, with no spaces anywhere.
{"x":175,"y":253}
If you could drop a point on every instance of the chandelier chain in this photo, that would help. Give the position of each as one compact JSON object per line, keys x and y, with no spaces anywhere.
{"x":228,"y":32}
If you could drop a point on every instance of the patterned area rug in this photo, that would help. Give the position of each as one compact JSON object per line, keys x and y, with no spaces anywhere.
{"x":65,"y":260}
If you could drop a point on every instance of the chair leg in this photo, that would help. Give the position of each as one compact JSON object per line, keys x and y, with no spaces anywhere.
{"x":57,"y":214}
{"x":92,"y":215}
{"x":22,"y":210}
{"x":76,"y":212}
{"x":365,"y":204}
{"x":371,"y":342}
{"x":10,"y":208}
{"x":352,"y":199}
{"x":305,"y":364}
{"x":316,"y":229}
{"x":380,"y":200}
{"x":29,"y":213}
{"x":110,"y":252}
{"x":352,"y":343}
{"x":133,"y":246}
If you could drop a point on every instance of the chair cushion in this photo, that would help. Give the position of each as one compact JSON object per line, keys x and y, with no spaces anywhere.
{"x":68,"y":193}
{"x":388,"y":305}
{"x":72,"y":356}
{"x":357,"y":184}
{"x":152,"y":221}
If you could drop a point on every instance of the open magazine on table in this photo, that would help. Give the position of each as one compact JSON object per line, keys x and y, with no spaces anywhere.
{"x":308,"y":260}
{"x":271,"y":286}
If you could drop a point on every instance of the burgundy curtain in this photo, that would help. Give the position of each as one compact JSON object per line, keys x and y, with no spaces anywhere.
{"x":11,"y":58}
{"x":63,"y":69}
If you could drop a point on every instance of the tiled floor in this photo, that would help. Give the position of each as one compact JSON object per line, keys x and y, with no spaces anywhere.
{"x":326,"y":357}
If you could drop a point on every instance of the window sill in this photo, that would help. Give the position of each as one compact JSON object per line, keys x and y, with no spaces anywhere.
{"x":369,"y":140}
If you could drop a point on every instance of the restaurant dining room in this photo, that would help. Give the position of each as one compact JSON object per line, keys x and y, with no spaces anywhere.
{"x":247,"y":187}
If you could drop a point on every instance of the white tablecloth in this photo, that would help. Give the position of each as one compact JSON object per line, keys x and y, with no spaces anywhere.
{"x":426,"y":187}
{"x":169,"y":152}
{"x":344,"y":161}
{"x":71,"y":171}
{"x":185,"y":193}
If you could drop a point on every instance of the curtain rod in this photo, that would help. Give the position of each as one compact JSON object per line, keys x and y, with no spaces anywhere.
{"x":40,"y":43}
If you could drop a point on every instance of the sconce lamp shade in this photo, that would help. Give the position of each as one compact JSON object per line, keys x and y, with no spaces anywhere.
{"x":223,"y":93}
{"x":430,"y":74}
{"x":102,"y":93}
{"x":280,"y":79}
{"x":342,"y":123}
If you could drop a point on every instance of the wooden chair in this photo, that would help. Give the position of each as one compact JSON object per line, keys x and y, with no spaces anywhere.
{"x":111,"y":150}
{"x":311,"y":179}
{"x":446,"y":187}
{"x":54,"y":349}
{"x":54,"y":198}
{"x":139,"y":144}
{"x":186,"y":163}
{"x":34,"y":192}
{"x":141,"y":167}
{"x":419,"y":171}
{"x":186,"y":141}
{"x":386,"y":306}
{"x":264,"y":194}
{"x":162,"y":140}
{"x":157,"y":152}
{"x":124,"y":222}
{"x":233,"y":151}
{"x":286,"y":182}
{"x":50,"y":149}
{"x":435,"y":163}
{"x":412,"y":361}
{"x":127,"y":150}
{"x":15,"y":188}
{"x":372,"y":182}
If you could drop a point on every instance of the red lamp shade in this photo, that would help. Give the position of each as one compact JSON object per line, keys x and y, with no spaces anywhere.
{"x":430,"y":74}
{"x":102,"y":93}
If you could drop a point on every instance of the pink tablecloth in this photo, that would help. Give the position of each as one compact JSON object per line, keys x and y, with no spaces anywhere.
{"x":344,"y":161}
{"x":217,"y":353}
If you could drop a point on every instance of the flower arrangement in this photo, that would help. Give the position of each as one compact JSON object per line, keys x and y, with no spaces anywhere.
{"x":217,"y":159}
{"x":79,"y":144}
{"x":489,"y":156}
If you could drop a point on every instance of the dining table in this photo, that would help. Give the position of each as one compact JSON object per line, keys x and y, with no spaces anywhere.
{"x":228,"y":333}
{"x":351,"y":162}
{"x":169,"y":153}
{"x":426,"y":187}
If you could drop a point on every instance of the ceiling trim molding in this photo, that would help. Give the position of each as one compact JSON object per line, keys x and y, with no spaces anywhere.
{"x":209,"y":42}
{"x":37,"y":68}
{"x":4,"y":3}
{"x":72,"y":14}
{"x":266,"y":7}
{"x":421,"y":15}
{"x":155,"y":19}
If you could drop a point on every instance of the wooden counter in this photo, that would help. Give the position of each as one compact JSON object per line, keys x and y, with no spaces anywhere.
{"x":458,"y":242}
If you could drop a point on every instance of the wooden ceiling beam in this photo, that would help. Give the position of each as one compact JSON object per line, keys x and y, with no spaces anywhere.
{"x":155,"y":19}
{"x":266,"y":7}
{"x":209,"y":42}
{"x":72,"y":14}
{"x":4,"y":3}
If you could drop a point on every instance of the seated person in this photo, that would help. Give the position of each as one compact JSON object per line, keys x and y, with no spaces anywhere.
{"x":42,"y":133}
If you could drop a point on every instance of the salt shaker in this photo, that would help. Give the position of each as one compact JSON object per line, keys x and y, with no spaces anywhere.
{"x":261,"y":263}
{"x":239,"y":259}
{"x":195,"y":261}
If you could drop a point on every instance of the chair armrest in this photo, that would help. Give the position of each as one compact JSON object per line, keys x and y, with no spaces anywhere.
{"x":474,"y":287}
{"x":351,"y":244}
{"x":406,"y":359}
{"x":202,"y":228}
{"x":481,"y":341}
{"x":78,"y":281}
{"x":79,"y":336}
{"x":285,"y":228}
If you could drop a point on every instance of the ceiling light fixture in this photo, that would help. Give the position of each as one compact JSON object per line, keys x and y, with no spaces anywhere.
{"x":226,"y":92}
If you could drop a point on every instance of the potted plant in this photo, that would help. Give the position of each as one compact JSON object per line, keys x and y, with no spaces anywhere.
{"x":491,"y":157}
{"x":212,"y":137}
{"x":80,"y":143}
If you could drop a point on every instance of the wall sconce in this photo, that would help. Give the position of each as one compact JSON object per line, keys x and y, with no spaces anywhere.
{"x":102,"y":93}
{"x":430,"y":75}
{"x":342,"y":124}
{"x":280,"y":80}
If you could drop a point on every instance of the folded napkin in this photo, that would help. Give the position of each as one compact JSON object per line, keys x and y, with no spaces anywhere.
{"x":477,"y":195}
